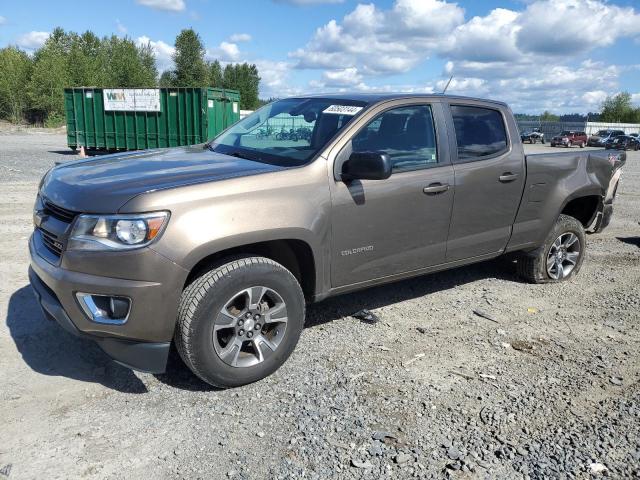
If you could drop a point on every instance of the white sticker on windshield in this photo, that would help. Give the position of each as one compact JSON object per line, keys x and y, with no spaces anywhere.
{"x":342,"y":109}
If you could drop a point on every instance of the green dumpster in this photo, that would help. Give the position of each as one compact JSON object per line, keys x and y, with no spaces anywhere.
{"x":141,"y":118}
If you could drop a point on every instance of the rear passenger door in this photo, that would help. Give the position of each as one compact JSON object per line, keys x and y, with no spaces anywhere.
{"x":489,"y":178}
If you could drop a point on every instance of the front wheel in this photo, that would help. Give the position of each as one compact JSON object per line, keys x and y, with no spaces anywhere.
{"x":239,"y":323}
{"x":561,"y":256}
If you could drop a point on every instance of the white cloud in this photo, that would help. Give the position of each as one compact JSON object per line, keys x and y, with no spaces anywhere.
{"x":635,"y":98}
{"x":594,"y":98}
{"x":121,"y":28}
{"x":169,"y":5}
{"x":240,"y":37}
{"x":275,"y":79}
{"x":558,"y":88}
{"x":529,"y":57}
{"x":346,"y":77}
{"x":559,"y":27}
{"x":381,"y":41}
{"x":32,"y":40}
{"x":163,"y":52}
{"x":3,"y":20}
{"x":225,"y":52}
{"x":482,"y":39}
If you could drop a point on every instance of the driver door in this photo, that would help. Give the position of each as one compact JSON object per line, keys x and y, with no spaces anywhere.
{"x":382,"y":228}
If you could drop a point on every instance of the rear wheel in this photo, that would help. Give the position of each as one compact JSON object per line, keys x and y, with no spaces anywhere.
{"x":239,"y":323}
{"x":561,"y":256}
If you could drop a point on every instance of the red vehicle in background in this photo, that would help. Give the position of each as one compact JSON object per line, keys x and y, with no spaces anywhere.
{"x":569,"y":138}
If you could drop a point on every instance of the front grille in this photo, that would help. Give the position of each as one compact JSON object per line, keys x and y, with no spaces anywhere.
{"x":51,"y":242}
{"x":60,"y":213}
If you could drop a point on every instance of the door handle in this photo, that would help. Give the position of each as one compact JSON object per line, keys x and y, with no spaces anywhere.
{"x":436,"y":188}
{"x":508,"y":177}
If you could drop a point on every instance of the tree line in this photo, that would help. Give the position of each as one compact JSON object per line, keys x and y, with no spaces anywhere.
{"x":31,"y":86}
{"x":615,"y":109}
{"x":620,"y":109}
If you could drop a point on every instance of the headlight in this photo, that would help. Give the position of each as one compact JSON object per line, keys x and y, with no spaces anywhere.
{"x":116,"y":232}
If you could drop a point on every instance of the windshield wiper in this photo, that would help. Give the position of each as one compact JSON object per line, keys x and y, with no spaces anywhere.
{"x":239,"y":155}
{"x":243,"y":155}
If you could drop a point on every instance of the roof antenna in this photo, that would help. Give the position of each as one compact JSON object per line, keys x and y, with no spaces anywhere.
{"x":447,"y":85}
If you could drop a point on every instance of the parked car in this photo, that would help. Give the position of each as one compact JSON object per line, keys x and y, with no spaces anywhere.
{"x":595,"y":138}
{"x":533,"y":136}
{"x":635,"y":135}
{"x":624,"y":142}
{"x":219,"y":249}
{"x":569,"y":138}
{"x":602,"y":142}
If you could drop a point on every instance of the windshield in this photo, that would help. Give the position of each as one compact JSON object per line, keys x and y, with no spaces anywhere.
{"x":287,"y":132}
{"x":566,"y":132}
{"x":602,"y":133}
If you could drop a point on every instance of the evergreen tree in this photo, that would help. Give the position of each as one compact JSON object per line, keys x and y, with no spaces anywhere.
{"x":86,"y":60}
{"x":246,"y":79}
{"x":215,"y":74}
{"x":547,"y":116}
{"x":167,"y":79}
{"x":129,"y":65}
{"x":49,"y":76}
{"x":619,"y":108}
{"x":15,"y":66}
{"x":190,"y":67}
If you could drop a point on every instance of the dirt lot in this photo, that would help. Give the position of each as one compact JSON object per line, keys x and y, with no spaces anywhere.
{"x":548,"y":388}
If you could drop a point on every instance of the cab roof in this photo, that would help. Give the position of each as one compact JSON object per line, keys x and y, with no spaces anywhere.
{"x":371,"y":98}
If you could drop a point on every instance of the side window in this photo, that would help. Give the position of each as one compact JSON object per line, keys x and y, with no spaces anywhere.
{"x":406,"y":134}
{"x":480,"y":132}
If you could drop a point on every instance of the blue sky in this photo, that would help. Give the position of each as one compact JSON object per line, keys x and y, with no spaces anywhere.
{"x":558,"y":55}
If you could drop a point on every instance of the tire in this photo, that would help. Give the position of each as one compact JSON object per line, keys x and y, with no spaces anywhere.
{"x":212,"y":343}
{"x":532,"y":266}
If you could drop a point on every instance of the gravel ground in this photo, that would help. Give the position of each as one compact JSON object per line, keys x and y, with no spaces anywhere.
{"x":548,"y":387}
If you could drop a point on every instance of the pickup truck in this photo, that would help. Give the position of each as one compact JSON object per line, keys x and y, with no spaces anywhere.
{"x":218,"y":248}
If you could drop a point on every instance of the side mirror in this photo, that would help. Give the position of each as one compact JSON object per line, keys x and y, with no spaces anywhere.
{"x":366,"y":166}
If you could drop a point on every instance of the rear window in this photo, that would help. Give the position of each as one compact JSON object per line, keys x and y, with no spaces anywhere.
{"x":480,"y":132}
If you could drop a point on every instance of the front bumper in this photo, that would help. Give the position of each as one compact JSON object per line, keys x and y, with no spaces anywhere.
{"x":150,"y":357}
{"x":143,"y":342}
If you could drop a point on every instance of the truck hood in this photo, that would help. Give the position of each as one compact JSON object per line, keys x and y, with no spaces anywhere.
{"x":104,"y":184}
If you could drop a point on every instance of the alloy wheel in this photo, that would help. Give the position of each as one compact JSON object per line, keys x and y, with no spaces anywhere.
{"x":250,"y":327}
{"x":563,"y":256}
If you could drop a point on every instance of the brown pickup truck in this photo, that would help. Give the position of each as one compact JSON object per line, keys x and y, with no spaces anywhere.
{"x":218,"y":248}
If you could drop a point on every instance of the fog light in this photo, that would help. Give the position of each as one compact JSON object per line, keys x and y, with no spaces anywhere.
{"x":111,"y":310}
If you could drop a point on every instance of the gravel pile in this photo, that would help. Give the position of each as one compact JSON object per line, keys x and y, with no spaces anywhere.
{"x":462,"y":374}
